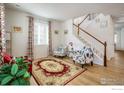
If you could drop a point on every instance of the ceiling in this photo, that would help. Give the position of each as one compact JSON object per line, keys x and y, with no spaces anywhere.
{"x":65,"y":11}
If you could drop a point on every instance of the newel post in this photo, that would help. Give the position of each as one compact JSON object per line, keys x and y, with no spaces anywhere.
{"x":105,"y":55}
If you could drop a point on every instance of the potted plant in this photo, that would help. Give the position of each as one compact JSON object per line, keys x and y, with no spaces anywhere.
{"x":15,"y":72}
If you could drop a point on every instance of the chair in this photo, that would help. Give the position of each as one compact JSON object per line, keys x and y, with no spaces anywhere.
{"x":83,"y":56}
{"x":60,"y":52}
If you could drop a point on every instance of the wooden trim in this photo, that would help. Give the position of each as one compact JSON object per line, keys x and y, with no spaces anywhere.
{"x":83,"y":20}
{"x":105,"y":56}
{"x":35,"y":79}
{"x":89,"y":34}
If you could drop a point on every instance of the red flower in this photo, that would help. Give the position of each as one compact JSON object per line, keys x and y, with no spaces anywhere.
{"x":30,"y":65}
{"x":6,"y":58}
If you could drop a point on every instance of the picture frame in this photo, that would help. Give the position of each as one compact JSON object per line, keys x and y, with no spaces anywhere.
{"x":17,"y":29}
{"x":65,"y":32}
{"x":56,"y":32}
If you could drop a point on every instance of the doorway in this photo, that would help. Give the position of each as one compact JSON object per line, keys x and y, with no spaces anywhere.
{"x":118,"y":39}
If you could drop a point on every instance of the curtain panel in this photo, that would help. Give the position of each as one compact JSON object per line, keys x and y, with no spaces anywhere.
{"x":2,"y":28}
{"x":50,"y":39}
{"x":30,"y":37}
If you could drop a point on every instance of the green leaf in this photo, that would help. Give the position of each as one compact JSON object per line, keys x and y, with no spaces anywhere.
{"x":28,"y":63}
{"x":26,"y":75}
{"x":27,"y":83}
{"x":1,"y":79}
{"x":24,"y":66}
{"x":5,"y":67}
{"x":19,"y":60}
{"x":4,"y":75}
{"x":21,"y":72}
{"x":15,"y":82}
{"x":6,"y":80}
{"x":14,"y":69}
{"x":22,"y":81}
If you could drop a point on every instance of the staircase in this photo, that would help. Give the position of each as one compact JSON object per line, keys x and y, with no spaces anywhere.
{"x":88,"y":39}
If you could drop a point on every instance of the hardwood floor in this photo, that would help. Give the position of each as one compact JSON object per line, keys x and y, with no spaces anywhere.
{"x":113,"y":74}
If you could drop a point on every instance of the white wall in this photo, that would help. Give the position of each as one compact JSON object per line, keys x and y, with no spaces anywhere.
{"x":19,"y":39}
{"x":56,"y":38}
{"x":118,"y":44}
{"x":120,"y":38}
{"x":70,"y":36}
{"x":110,"y":38}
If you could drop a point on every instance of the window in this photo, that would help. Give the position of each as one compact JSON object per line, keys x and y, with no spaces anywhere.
{"x":115,"y":38}
{"x":40,"y":33}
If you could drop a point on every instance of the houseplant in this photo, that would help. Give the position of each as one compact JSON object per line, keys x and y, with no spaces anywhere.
{"x":15,"y":72}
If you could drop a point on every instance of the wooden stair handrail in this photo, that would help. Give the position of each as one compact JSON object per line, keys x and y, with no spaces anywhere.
{"x":89,"y":34}
{"x":83,"y":20}
{"x":104,"y":44}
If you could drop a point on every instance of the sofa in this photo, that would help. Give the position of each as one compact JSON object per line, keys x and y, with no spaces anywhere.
{"x":83,"y":56}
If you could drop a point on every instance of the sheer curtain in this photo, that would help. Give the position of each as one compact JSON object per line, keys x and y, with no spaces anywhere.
{"x":41,"y":32}
{"x":41,"y":38}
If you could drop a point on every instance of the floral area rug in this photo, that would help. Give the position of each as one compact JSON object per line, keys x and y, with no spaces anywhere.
{"x":53,"y":71}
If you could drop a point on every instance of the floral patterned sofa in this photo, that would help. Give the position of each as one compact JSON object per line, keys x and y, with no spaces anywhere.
{"x":83,"y":56}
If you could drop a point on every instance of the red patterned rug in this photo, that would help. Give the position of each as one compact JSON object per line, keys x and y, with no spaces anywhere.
{"x":53,"y":71}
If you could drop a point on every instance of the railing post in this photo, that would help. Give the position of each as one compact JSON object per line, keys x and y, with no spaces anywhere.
{"x":78,"y":28}
{"x":105,"y":56}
